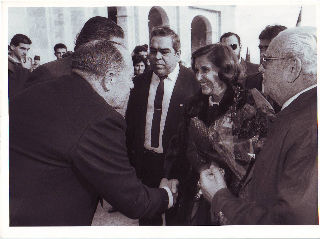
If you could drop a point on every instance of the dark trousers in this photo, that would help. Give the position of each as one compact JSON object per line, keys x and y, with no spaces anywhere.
{"x":151,"y":175}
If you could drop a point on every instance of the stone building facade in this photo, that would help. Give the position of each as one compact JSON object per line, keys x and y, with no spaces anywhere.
{"x":46,"y":26}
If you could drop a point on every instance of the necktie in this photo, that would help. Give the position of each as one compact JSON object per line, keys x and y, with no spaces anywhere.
{"x":155,"y":129}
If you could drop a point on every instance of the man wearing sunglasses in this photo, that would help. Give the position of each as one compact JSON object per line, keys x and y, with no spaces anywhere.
{"x":233,"y":40}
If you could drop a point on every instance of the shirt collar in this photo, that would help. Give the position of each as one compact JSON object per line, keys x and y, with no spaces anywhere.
{"x":212,"y":103}
{"x":13,"y":59}
{"x":288,"y":102}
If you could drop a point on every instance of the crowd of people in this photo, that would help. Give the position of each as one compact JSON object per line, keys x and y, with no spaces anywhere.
{"x":223,"y":142}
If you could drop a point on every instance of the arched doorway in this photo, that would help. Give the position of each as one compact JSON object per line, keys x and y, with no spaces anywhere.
{"x":201,"y":32}
{"x":157,"y":17}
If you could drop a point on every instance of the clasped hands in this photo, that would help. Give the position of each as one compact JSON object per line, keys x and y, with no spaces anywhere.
{"x":211,"y":181}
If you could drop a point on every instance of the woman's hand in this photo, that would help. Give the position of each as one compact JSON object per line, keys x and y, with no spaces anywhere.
{"x":211,"y":181}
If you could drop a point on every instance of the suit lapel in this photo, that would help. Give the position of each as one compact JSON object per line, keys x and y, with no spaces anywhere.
{"x":141,"y":98}
{"x":175,"y":108}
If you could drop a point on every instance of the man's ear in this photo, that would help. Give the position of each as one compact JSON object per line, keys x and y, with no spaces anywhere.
{"x":294,"y":69}
{"x":108,"y":80}
{"x":178,"y":54}
{"x":12,"y":47}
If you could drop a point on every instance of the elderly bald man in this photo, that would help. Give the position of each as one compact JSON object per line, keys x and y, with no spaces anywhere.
{"x":283,"y":186}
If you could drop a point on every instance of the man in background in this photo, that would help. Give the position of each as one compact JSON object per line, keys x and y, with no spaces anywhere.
{"x":265,"y":37}
{"x":233,"y":40}
{"x":96,"y":28}
{"x":283,"y":186}
{"x":59,"y":50}
{"x":156,"y":107}
{"x":19,"y":64}
{"x":36,"y":62}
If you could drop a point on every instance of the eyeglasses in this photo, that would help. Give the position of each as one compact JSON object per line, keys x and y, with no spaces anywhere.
{"x":233,"y":46}
{"x":266,"y":59}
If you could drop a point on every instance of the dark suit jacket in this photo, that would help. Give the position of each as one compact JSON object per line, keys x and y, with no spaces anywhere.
{"x":186,"y":85}
{"x":67,"y":148}
{"x":50,"y":71}
{"x":254,"y":81}
{"x":284,"y":183}
{"x":17,"y":76}
{"x":249,"y":68}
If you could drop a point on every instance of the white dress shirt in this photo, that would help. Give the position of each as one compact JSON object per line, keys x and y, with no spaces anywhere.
{"x":288,"y":102}
{"x":169,"y":84}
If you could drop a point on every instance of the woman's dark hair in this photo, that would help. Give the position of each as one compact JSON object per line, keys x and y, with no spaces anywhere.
{"x":138,"y":58}
{"x":139,"y":49}
{"x":222,"y":57}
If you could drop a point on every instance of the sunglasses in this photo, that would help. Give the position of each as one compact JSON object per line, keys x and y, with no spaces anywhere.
{"x":233,"y":46}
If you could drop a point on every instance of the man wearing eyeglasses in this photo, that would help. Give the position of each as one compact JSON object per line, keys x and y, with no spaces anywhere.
{"x":283,"y":186}
{"x":155,"y":108}
{"x":233,"y":40}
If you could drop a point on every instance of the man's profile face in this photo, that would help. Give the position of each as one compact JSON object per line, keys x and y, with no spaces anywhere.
{"x":263,"y":46}
{"x":163,"y":58}
{"x":20,"y":51}
{"x":121,"y":83}
{"x":233,"y":42}
{"x":273,"y":78}
{"x":60,"y":52}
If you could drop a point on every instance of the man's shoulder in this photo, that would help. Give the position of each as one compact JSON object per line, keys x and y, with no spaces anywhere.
{"x":187,"y":79}
{"x":187,"y":71}
{"x":50,"y":71}
{"x":301,"y":114}
{"x":55,"y":68}
{"x":58,"y":67}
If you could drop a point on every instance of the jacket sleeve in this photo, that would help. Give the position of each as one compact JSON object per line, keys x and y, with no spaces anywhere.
{"x":297,"y":188}
{"x":101,"y":158}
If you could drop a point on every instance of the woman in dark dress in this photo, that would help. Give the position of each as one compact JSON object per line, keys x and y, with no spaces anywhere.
{"x":224,"y":125}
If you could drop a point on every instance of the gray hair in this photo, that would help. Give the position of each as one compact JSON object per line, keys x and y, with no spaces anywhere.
{"x":98,"y":57}
{"x":298,"y":42}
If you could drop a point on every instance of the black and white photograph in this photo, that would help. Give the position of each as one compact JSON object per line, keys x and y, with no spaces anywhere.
{"x":153,"y":119}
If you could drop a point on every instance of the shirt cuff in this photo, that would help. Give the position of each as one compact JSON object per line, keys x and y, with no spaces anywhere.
{"x":170,"y":196}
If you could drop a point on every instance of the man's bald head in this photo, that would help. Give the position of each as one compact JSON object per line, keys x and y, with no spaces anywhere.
{"x":290,"y":63}
{"x":298,"y":42}
{"x":107,"y":66}
{"x":97,"y":57}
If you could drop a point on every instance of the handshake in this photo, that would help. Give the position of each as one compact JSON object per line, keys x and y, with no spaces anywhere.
{"x":210,"y":182}
{"x":172,"y":185}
